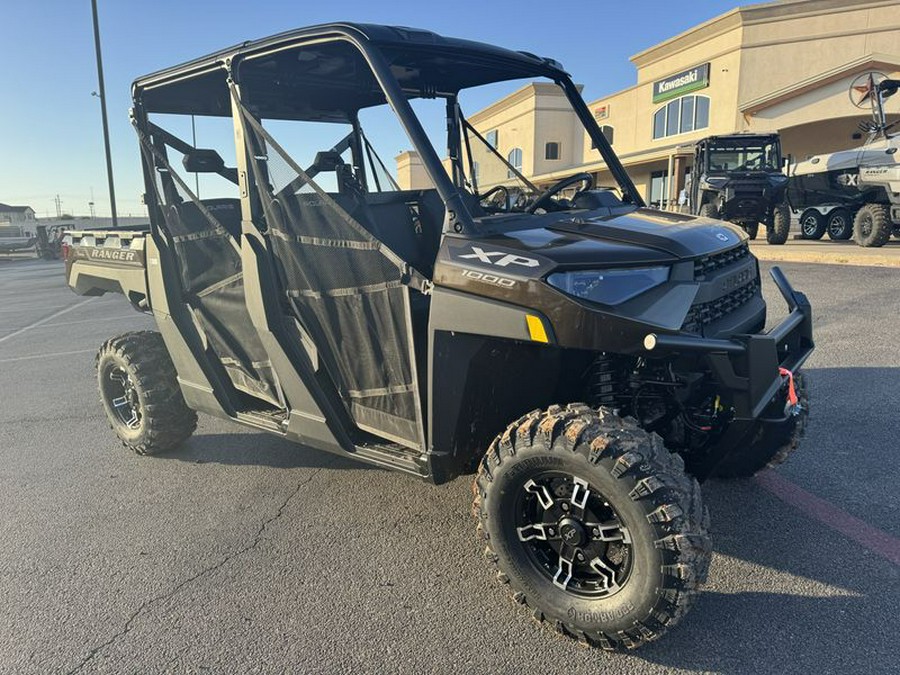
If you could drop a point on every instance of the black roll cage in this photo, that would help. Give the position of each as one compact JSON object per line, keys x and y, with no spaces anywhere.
{"x":369,"y":40}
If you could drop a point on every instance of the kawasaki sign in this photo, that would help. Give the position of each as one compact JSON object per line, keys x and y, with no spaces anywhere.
{"x":681,"y":83}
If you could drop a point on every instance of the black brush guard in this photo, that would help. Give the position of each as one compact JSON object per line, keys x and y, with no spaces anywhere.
{"x":751,"y":366}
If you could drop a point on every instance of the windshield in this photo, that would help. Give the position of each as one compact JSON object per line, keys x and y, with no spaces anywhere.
{"x":743,"y":155}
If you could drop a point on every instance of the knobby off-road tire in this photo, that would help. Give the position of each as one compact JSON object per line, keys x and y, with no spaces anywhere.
{"x":752,"y":229}
{"x":709,"y":211}
{"x":640,"y":570}
{"x":777,"y":233}
{"x":140,"y":393}
{"x":812,"y":224}
{"x":872,"y":226}
{"x":768,"y":447}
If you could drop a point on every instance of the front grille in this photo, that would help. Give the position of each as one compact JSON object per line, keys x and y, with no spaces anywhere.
{"x":708,"y":264}
{"x":705,"y":313}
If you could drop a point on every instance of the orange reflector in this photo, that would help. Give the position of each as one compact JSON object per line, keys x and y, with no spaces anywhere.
{"x":536,"y":329}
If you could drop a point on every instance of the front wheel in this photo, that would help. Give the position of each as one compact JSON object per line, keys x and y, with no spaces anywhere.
{"x":709,"y":210}
{"x":777,"y":233}
{"x":593,"y":524}
{"x":140,"y":393}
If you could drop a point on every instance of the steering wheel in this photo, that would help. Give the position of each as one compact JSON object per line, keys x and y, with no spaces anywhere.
{"x":491,"y":197}
{"x":545,"y":198}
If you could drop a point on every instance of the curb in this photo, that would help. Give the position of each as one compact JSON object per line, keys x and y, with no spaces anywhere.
{"x":843,"y":257}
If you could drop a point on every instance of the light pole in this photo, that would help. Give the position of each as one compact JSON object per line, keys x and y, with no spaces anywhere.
{"x":102,"y":96}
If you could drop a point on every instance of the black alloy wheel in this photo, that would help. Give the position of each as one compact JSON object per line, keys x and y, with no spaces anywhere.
{"x":839,"y":224}
{"x":118,"y":388}
{"x":812,"y":224}
{"x":572,"y":535}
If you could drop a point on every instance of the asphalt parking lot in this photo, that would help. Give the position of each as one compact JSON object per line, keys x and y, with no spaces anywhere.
{"x":241,"y":553}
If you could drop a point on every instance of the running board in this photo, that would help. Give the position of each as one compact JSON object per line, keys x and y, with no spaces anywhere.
{"x":393,"y":456}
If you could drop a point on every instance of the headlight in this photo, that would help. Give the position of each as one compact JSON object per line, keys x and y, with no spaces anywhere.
{"x":609,"y":287}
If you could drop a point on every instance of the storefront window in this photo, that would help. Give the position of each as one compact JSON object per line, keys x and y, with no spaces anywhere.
{"x":688,"y":113}
{"x":659,"y":123}
{"x":659,"y":184}
{"x":551,"y":150}
{"x":702,"y":114}
{"x":515,"y":159}
{"x":672,"y":115}
{"x":608,"y":132}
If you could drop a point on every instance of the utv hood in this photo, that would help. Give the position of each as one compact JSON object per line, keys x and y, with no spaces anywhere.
{"x":672,"y":234}
{"x":621,"y":236}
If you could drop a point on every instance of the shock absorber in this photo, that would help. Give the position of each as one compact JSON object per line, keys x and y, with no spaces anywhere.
{"x":606,"y":380}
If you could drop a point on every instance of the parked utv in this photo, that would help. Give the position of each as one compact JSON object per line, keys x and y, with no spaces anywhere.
{"x":588,"y":358}
{"x":858,"y":189}
{"x":738,"y":178}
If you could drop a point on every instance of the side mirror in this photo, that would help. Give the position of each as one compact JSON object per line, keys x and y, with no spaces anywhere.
{"x":203,"y":161}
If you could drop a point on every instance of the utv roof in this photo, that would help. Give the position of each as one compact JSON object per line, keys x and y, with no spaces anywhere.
{"x":741,"y":136}
{"x":424,"y":63}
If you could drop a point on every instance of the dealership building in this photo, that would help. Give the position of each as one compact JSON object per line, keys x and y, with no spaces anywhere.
{"x":782,"y":67}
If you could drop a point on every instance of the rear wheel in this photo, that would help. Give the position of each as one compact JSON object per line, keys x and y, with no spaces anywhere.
{"x":839,"y":224}
{"x":752,"y":229}
{"x":812,"y":224}
{"x":872,"y":225}
{"x":777,"y":233}
{"x":593,"y":524}
{"x":140,"y":393}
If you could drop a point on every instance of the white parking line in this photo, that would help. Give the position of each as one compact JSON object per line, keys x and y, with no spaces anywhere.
{"x":41,"y":322}
{"x":47,"y":356}
{"x":104,"y":318}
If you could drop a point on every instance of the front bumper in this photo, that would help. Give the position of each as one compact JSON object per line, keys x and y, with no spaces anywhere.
{"x":748,"y":366}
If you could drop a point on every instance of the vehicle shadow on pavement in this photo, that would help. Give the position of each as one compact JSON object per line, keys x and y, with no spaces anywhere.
{"x":258,"y":449}
{"x":787,"y":593}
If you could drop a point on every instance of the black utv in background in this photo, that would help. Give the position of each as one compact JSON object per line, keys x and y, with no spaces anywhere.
{"x":589,"y":359}
{"x":738,"y":178}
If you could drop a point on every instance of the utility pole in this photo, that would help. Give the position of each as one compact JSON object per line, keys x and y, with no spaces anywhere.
{"x":58,"y":203}
{"x":109,"y":169}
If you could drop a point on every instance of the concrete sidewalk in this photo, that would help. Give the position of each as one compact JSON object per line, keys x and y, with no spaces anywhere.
{"x":827,"y":251}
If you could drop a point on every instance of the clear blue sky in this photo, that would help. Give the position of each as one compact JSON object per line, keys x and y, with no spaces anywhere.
{"x":50,"y":134}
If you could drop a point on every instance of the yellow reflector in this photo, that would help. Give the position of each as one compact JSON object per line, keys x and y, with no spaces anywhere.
{"x":536,"y":329}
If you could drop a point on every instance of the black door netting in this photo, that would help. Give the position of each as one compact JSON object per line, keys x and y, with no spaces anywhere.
{"x":349,"y":290}
{"x":212,"y":278}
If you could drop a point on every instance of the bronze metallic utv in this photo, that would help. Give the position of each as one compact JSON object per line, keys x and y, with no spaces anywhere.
{"x":589,"y":359}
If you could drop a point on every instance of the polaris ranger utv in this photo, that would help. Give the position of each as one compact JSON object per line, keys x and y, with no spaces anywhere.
{"x":738,"y":178}
{"x":588,"y":358}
